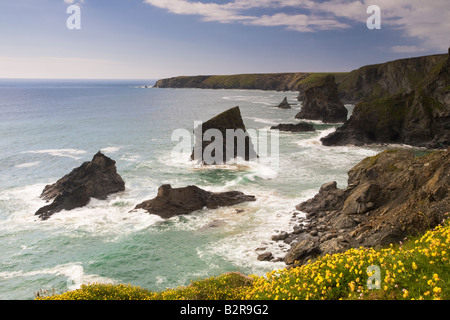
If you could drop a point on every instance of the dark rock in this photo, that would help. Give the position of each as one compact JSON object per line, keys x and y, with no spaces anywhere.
{"x":95,"y":179}
{"x":228,"y":147}
{"x":329,"y":198}
{"x":332,"y":246}
{"x":306,"y":247}
{"x":284,"y":104}
{"x":298,"y":127}
{"x":362,"y":199}
{"x":321,"y":102}
{"x":180,"y":201}
{"x":327,"y":187}
{"x":298,"y":229}
{"x":267,"y":256}
{"x":281,"y":236}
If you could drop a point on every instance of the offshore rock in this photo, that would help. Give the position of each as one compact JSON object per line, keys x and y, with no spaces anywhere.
{"x":321,"y":102}
{"x":298,"y":127}
{"x":230,"y":147}
{"x":172,"y":202}
{"x":95,"y":179}
{"x":284,"y":104}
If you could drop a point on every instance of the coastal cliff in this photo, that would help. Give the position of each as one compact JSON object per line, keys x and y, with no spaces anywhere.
{"x":386,"y":79}
{"x":275,"y":81}
{"x":363,"y":84}
{"x":420,"y":117}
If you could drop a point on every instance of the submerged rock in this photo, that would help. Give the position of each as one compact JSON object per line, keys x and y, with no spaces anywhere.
{"x":321,"y":102}
{"x":229,"y":139}
{"x":172,"y":202}
{"x":298,"y":127}
{"x":95,"y":179}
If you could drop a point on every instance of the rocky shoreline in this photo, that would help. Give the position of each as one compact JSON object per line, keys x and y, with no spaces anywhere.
{"x":393,"y":195}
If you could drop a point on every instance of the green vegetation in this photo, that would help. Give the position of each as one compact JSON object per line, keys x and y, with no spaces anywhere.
{"x":417,"y":269}
{"x":263,"y":81}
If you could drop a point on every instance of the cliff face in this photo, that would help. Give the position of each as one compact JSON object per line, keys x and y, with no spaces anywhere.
{"x":420,"y":117}
{"x":386,"y":79}
{"x":275,"y":81}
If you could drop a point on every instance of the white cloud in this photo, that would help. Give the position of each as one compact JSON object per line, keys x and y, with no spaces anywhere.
{"x":299,"y":22}
{"x":426,"y":21}
{"x":74,"y":1}
{"x":407,"y":49}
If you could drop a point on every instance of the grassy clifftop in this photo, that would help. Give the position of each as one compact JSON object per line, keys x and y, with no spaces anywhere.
{"x":269,"y":81}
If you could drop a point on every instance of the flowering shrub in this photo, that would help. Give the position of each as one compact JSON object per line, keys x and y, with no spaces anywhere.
{"x":416,"y":269}
{"x":419,"y":269}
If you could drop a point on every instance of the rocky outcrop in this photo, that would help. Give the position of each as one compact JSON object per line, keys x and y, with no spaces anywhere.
{"x":181,"y":201}
{"x":298,"y":127}
{"x":321,"y":102}
{"x":233,"y":140}
{"x":418,"y":118}
{"x":393,"y":195}
{"x":93,"y":179}
{"x":284,"y":104}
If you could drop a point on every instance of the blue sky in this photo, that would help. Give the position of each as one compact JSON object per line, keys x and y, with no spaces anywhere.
{"x":149,"y":39}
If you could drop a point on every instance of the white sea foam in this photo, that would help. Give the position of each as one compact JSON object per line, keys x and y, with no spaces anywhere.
{"x":28,"y":165}
{"x":265,"y":121}
{"x":249,"y":229}
{"x":130,"y":157}
{"x":110,"y":149}
{"x":70,"y":153}
{"x":110,"y":218}
{"x":316,"y":139}
{"x":74,"y":272}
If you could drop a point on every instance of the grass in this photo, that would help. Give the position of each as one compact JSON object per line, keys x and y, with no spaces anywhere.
{"x":418,"y":269}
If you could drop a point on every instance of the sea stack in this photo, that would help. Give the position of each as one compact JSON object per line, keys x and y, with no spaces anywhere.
{"x":284,"y":104}
{"x":172,"y":202}
{"x":321,"y":102}
{"x":93,"y":179}
{"x":222,"y":139}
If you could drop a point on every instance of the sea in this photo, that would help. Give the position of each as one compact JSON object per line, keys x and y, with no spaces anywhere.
{"x":50,"y":127}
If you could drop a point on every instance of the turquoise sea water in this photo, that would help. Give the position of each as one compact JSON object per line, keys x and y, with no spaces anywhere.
{"x":47,"y":128}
